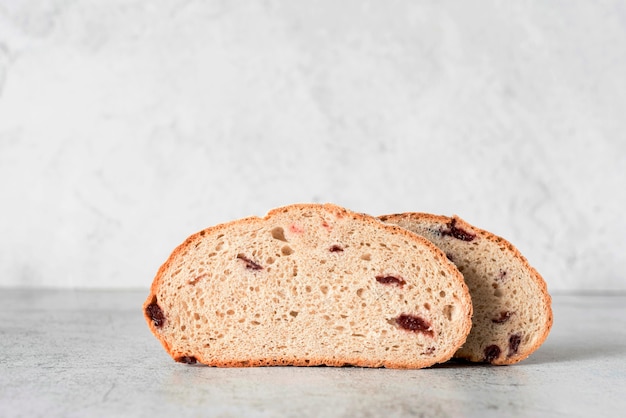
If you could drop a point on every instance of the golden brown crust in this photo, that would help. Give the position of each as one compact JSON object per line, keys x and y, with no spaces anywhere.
{"x":339,"y":212}
{"x":544,"y":297}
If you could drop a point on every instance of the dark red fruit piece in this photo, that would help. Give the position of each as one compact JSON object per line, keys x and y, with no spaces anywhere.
{"x":415,"y":324}
{"x":457,"y":233}
{"x":396,"y":281}
{"x":504,"y":316}
{"x":514,"y":342}
{"x":249,"y":263}
{"x":154,"y":312}
{"x":492,"y":352}
{"x":187,"y":359}
{"x":335,"y":248}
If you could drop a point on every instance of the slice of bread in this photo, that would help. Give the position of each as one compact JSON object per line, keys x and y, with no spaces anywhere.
{"x":309,"y":284}
{"x":512,"y":307}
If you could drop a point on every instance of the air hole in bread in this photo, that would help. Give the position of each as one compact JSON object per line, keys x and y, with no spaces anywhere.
{"x":324,"y":289}
{"x":279,"y":234}
{"x":195,"y":280}
{"x":293,"y":313}
{"x":448,"y":312}
{"x":366,"y":257}
{"x":286,"y":250}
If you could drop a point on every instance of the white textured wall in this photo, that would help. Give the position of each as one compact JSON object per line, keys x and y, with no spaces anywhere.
{"x":127,"y":125}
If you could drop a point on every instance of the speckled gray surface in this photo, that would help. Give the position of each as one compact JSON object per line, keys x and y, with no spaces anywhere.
{"x":89,"y":353}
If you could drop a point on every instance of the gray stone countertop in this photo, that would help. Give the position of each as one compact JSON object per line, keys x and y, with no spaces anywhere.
{"x":90,"y":353}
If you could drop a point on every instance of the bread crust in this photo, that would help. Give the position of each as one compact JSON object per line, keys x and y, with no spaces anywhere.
{"x":542,"y":297}
{"x":252,"y":361}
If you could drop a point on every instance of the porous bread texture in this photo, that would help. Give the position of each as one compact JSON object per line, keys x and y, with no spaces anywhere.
{"x":512,"y":307}
{"x":309,"y":285}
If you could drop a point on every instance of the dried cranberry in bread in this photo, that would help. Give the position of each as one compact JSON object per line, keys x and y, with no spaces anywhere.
{"x":308,"y":285}
{"x":512,"y":308}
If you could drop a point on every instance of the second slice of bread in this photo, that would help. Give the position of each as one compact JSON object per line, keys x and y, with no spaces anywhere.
{"x":512,"y":307}
{"x":309,"y":285}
